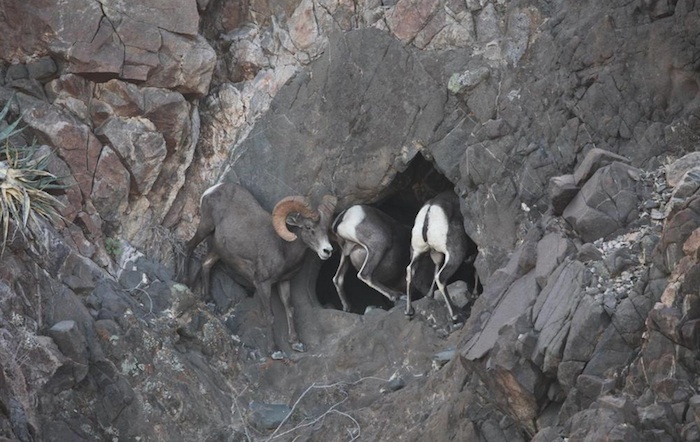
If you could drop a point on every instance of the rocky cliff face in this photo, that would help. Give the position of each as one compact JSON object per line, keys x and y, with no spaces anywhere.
{"x":569,"y":129}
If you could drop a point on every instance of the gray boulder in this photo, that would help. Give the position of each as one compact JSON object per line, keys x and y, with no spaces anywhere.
{"x":607,"y":202}
{"x":595,"y":159}
{"x":328,"y":129}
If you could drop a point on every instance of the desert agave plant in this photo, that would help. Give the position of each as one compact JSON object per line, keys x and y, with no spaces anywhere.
{"x":24,"y":182}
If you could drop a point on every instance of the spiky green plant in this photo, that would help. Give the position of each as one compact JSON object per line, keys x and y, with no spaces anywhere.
{"x":24,"y":182}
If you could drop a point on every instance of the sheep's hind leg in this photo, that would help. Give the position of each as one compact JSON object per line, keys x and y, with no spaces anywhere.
{"x":286,"y":297}
{"x":209,"y":261}
{"x":366,"y":275}
{"x":204,"y":229}
{"x":339,"y":279}
{"x":409,"y":270}
{"x":441,"y":277}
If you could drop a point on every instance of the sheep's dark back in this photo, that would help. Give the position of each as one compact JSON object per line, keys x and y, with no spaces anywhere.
{"x":393,"y":266}
{"x":448,"y":201}
{"x":245,"y":237}
{"x":220,"y":201}
{"x":380,"y":230}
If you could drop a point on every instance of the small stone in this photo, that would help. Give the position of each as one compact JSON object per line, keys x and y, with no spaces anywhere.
{"x":589,"y":252}
{"x":267,"y":416}
{"x":561,"y":189}
{"x":16,"y":72}
{"x":373,"y":309}
{"x":444,"y":356}
{"x":690,"y":432}
{"x":651,"y":204}
{"x":694,"y":404}
{"x":657,"y":215}
{"x":458,"y":293}
{"x":396,"y":383}
{"x":278,"y":355}
{"x":70,"y":340}
{"x":42,"y":69}
{"x":467,"y":80}
{"x":623,"y":407}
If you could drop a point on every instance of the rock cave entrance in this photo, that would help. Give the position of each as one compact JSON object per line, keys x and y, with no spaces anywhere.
{"x":407,"y":193}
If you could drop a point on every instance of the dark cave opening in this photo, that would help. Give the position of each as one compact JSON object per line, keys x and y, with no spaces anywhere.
{"x":409,"y":190}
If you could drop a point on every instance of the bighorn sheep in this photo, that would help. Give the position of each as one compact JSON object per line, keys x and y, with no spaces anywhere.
{"x":260,"y":247}
{"x":439,"y":230}
{"x":376,"y":245}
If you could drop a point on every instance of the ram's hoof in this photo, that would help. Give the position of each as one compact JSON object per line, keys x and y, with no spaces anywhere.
{"x":410,"y":313}
{"x":298,"y":346}
{"x":278,"y":355}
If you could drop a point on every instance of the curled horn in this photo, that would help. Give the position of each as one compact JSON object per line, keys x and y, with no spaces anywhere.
{"x":286,"y":206}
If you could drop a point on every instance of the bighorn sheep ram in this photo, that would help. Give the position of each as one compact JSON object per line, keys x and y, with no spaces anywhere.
{"x":377,"y":246}
{"x":439,"y":230}
{"x":261,"y":248}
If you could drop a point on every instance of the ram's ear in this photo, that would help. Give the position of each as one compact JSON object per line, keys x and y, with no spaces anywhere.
{"x":286,"y":207}
{"x":294,"y":219}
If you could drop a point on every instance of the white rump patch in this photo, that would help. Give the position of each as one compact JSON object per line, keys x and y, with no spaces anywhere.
{"x":209,"y":191}
{"x":348,"y":226}
{"x":438,"y":226}
{"x":417,"y":243}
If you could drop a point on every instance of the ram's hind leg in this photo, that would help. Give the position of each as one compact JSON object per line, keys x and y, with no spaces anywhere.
{"x":209,"y":261}
{"x":204,"y":230}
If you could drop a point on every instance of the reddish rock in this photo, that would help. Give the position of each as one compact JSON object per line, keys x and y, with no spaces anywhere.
{"x":302,"y":26}
{"x":103,"y":54}
{"x":124,"y":99}
{"x":155,"y":41}
{"x":71,"y":92}
{"x":691,"y":246}
{"x":74,"y":142}
{"x":409,"y":17}
{"x":186,"y":64}
{"x":139,"y":146}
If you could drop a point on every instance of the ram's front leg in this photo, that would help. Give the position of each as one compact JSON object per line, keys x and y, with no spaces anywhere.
{"x":264,"y":292}
{"x":286,"y":297}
